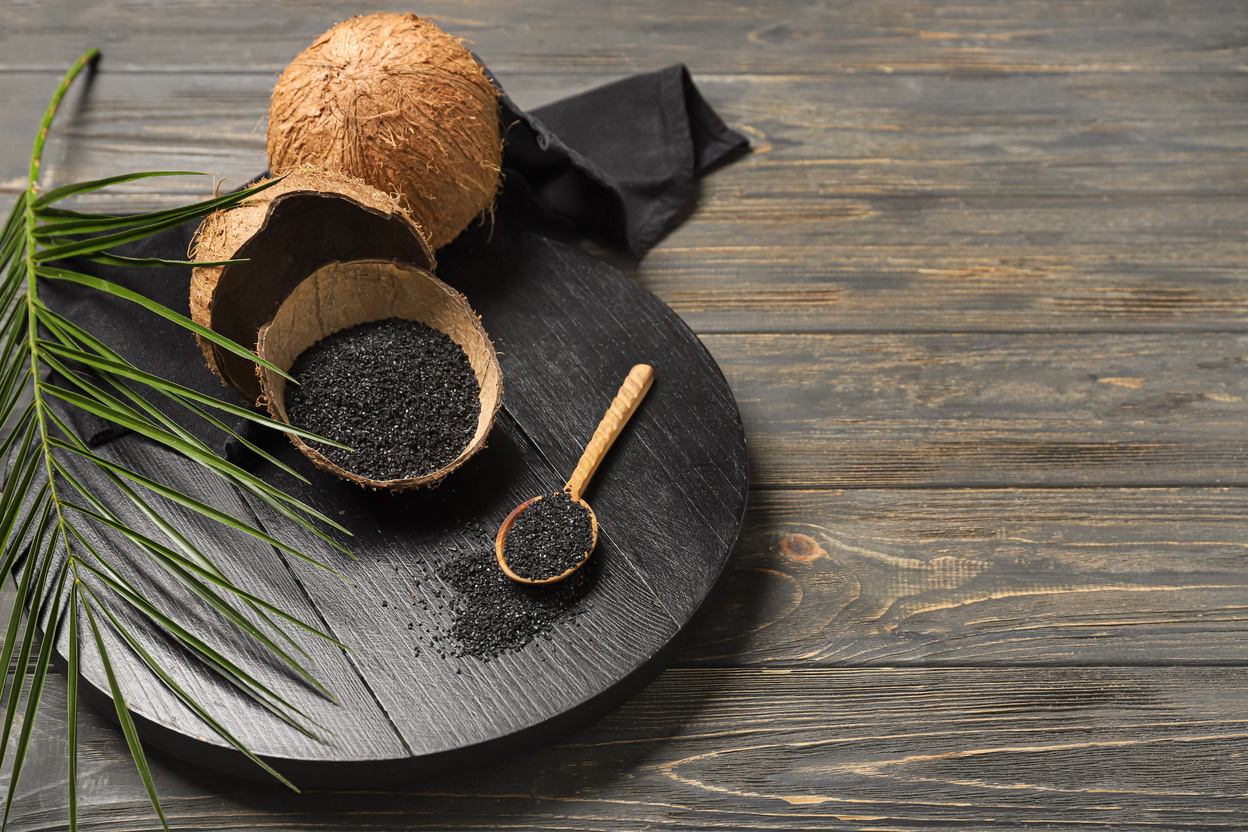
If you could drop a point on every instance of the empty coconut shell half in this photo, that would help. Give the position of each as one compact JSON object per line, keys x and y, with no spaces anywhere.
{"x":286,"y":233}
{"x":341,"y":295}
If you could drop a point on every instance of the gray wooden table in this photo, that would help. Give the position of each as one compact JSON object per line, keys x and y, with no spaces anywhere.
{"x":980,"y":290}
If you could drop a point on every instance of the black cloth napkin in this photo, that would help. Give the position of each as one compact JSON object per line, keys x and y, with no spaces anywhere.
{"x":617,"y":162}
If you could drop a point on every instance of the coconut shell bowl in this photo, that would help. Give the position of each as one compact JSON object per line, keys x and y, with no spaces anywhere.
{"x":342,"y":294}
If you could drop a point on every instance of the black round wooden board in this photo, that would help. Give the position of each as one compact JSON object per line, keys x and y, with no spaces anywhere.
{"x":669,"y":498}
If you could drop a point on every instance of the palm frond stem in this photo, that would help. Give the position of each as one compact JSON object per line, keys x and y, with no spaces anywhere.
{"x":54,"y":519}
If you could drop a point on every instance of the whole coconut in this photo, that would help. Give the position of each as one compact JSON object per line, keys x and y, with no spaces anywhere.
{"x":397,"y":102}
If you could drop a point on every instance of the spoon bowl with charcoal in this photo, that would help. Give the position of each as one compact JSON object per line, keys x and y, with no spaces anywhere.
{"x":547,"y":538}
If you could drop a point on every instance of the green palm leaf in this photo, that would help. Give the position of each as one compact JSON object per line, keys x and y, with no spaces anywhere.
{"x":57,"y":194}
{"x":123,"y":716}
{"x":53,"y":522}
{"x":153,"y":306}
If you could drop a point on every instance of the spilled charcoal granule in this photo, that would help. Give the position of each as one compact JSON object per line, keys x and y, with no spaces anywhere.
{"x":549,"y":537}
{"x":492,"y":614}
{"x":401,"y":394}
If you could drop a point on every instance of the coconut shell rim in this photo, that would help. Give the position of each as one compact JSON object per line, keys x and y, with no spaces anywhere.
{"x":403,"y":483}
{"x":218,"y":358}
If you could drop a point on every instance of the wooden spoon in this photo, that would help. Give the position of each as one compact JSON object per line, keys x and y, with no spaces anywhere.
{"x":632,"y":391}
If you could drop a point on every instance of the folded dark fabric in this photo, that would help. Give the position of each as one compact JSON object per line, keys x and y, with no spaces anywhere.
{"x":145,"y":339}
{"x":617,"y":163}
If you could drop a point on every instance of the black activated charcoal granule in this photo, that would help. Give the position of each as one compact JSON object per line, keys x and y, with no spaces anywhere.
{"x":402,"y":394}
{"x":549,"y":537}
{"x":492,"y":614}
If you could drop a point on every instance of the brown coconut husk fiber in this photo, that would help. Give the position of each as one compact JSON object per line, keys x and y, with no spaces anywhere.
{"x":286,"y":233}
{"x":396,"y":101}
{"x":341,"y":295}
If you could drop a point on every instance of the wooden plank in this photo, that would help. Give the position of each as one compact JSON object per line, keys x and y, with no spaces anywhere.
{"x":166,"y":121}
{"x":981,"y":577}
{"x":1133,"y":264}
{"x":984,"y":577}
{"x":1010,"y":179}
{"x":398,"y":615}
{"x":354,"y":727}
{"x":668,"y":500}
{"x":904,"y":749}
{"x":785,"y":36}
{"x":177,"y":130}
{"x":676,"y":481}
{"x":838,"y":137}
{"x":929,"y":263}
{"x":1032,"y":204}
{"x":1026,"y":410}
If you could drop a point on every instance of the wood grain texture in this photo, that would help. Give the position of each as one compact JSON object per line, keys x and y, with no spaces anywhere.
{"x":362,"y":731}
{"x":1049,"y":202}
{"x":946,"y":409}
{"x":980,"y":292}
{"x":785,"y":36}
{"x":682,"y":454}
{"x":906,"y":749}
{"x":849,"y":135}
{"x":1011,"y":577}
{"x":633,"y":389}
{"x":452,"y":709}
{"x":414,"y":699}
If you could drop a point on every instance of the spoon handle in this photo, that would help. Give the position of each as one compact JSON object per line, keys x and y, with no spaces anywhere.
{"x":632,"y":391}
